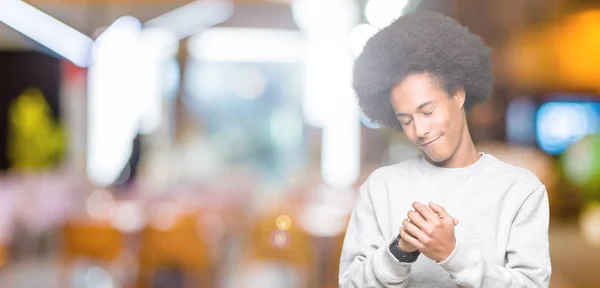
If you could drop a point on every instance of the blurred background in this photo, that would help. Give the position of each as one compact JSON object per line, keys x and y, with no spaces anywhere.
{"x":155,"y":143}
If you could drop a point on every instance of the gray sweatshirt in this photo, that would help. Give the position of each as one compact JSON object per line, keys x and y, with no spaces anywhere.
{"x":502,"y":237}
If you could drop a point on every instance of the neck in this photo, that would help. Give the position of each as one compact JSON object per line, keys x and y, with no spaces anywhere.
{"x":465,"y":155}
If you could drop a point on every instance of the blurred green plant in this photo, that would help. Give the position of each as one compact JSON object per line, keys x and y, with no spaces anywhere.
{"x":581,"y":165}
{"x":35,"y":140}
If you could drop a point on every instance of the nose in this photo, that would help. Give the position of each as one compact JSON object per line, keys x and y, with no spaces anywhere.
{"x":421,"y":127}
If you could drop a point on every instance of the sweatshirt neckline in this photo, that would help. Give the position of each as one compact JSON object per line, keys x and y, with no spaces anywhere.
{"x":474,"y":168}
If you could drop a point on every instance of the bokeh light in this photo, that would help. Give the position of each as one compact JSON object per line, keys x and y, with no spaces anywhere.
{"x":249,"y":83}
{"x":164,"y":216}
{"x":381,"y":13}
{"x":590,"y":223}
{"x":100,"y":204}
{"x":581,"y":164}
{"x":283,"y":222}
{"x":560,"y":124}
{"x":98,"y":278}
{"x":128,"y":217}
{"x":280,"y":239}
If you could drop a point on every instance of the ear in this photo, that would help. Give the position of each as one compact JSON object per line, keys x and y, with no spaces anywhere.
{"x":460,"y":97}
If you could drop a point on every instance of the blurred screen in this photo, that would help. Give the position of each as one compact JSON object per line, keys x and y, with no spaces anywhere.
{"x":559,"y":123}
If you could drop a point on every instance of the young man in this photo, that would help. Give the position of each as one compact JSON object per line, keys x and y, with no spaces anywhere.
{"x":421,"y":75}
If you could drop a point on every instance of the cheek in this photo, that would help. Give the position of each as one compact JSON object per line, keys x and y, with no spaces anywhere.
{"x":408,"y":131}
{"x":452,"y":130}
{"x":441,"y":123}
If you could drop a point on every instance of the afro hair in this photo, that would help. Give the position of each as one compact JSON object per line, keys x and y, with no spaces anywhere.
{"x":421,"y":42}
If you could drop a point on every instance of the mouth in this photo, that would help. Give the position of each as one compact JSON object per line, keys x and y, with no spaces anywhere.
{"x":430,"y":141}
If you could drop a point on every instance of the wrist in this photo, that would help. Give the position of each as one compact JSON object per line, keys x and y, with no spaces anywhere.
{"x":402,"y":245}
{"x":449,"y":254}
{"x":401,"y":255}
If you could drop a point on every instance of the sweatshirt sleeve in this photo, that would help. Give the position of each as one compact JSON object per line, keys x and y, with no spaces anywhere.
{"x":366,"y":260}
{"x":527,"y":254}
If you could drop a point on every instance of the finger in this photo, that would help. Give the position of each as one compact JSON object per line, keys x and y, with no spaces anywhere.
{"x":438,"y":209}
{"x":417,"y":219}
{"x":455,"y":221}
{"x":406,"y":237}
{"x":414,"y":230}
{"x":441,"y":212}
{"x":426,"y":212}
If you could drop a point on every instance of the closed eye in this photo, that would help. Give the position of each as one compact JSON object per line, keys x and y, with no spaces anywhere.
{"x":429,"y":113}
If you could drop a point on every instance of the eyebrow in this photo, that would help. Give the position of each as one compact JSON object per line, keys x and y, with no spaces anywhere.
{"x":418,"y":108}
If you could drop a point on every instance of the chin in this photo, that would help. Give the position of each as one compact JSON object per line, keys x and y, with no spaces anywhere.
{"x":437,"y":157}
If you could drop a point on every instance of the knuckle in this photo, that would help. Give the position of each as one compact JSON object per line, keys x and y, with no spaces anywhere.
{"x":429,"y":231}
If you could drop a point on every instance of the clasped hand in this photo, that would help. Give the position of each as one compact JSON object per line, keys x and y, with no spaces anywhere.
{"x":429,"y":229}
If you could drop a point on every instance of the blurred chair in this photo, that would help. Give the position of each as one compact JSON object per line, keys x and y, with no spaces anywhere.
{"x":278,"y":257}
{"x":177,"y":248}
{"x":95,"y":241}
{"x":332,"y":265}
{"x":3,"y":256}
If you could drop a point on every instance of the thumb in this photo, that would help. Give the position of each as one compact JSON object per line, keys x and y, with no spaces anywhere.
{"x":455,"y":221}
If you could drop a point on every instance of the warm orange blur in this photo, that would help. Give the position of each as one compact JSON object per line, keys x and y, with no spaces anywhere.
{"x":217,"y":143}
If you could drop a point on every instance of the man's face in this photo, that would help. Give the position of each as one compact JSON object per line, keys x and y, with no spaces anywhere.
{"x":430,"y":118}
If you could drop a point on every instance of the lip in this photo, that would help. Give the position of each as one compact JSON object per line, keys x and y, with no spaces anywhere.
{"x":430,"y":142}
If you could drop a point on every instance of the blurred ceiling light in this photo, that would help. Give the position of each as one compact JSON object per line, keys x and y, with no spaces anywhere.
{"x":156,"y":47}
{"x":112,"y":123}
{"x":247,"y":45}
{"x":327,"y":68}
{"x":359,"y":36}
{"x":46,"y":30}
{"x":340,"y":160}
{"x":125,"y":28}
{"x":158,"y":43}
{"x":381,"y":13}
{"x":193,"y":17}
{"x":324,"y":17}
{"x":328,"y":100}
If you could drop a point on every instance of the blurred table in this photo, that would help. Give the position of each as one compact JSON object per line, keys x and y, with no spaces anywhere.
{"x":575,"y":263}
